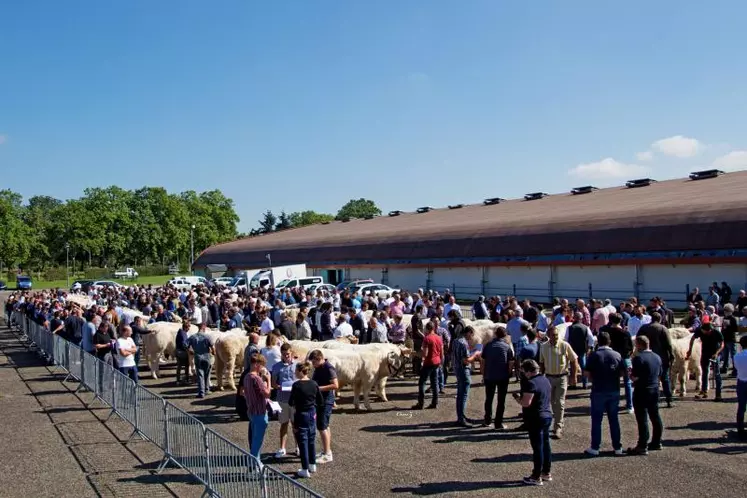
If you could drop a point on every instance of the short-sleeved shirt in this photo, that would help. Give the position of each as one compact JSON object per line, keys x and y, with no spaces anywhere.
{"x":530,"y":351}
{"x":497,"y":354}
{"x":126,"y":343}
{"x":282,"y":372}
{"x":435,"y":350}
{"x":710,"y":342}
{"x":606,"y":366}
{"x":540,"y":406}
{"x":557,"y":359}
{"x":646,"y":370}
{"x":199,"y":343}
{"x":323,"y":376}
{"x":459,"y":351}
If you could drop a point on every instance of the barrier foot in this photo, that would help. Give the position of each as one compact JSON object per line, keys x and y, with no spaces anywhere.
{"x":164,"y":463}
{"x":137,"y":433}
{"x":112,"y":412}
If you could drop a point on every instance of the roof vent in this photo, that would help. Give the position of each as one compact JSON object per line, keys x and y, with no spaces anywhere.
{"x":534,"y":196}
{"x":641,"y":182}
{"x":424,"y":209}
{"x":456,"y":206}
{"x":395,"y":213}
{"x":709,"y":173}
{"x":583,"y":190}
{"x":493,"y":200}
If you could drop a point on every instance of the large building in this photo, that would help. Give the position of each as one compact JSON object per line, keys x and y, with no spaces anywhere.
{"x":645,"y":238}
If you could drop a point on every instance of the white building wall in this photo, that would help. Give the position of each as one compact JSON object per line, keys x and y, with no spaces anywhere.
{"x":531,"y":281}
{"x":465,"y":280}
{"x":614,"y":282}
{"x":670,"y":281}
{"x":409,"y":279}
{"x":361,"y":272}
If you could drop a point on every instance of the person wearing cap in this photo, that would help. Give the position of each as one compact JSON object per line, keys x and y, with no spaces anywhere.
{"x":712,"y":343}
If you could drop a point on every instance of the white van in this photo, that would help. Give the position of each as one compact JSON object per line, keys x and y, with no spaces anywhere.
{"x":187,"y":282}
{"x":305,"y":282}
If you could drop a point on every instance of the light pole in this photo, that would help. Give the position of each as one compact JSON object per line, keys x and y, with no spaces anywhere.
{"x":67,"y":263}
{"x":192,"y":251}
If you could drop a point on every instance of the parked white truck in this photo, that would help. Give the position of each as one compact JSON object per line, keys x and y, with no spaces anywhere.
{"x":266,"y":277}
{"x":126,"y":273}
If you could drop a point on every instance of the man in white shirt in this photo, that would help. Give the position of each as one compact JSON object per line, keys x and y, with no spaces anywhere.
{"x":638,"y":320}
{"x":740,"y":365}
{"x":266,"y":325}
{"x":126,"y":350}
{"x":343,"y":329}
{"x":452,"y":305}
{"x":610,"y":308}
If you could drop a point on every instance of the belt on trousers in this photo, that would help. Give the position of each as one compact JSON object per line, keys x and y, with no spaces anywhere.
{"x":556,"y":375}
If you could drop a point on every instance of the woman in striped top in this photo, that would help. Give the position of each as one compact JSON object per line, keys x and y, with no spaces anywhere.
{"x":256,"y":393}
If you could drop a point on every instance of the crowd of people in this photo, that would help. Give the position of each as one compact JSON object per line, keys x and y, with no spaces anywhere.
{"x":546,"y":350}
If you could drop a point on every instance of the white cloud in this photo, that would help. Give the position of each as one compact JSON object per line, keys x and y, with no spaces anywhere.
{"x":732,"y":161}
{"x":607,"y":168}
{"x":645,"y":156}
{"x":3,"y":139}
{"x":678,"y":146}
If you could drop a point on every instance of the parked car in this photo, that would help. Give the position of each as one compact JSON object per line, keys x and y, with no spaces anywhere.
{"x":103,"y":284}
{"x":83,"y":285}
{"x":187,"y":282}
{"x":23,"y":282}
{"x":223,"y":281}
{"x":3,"y":286}
{"x":380,"y":290}
{"x":314,"y":287}
{"x":304,"y":282}
{"x":346,"y":284}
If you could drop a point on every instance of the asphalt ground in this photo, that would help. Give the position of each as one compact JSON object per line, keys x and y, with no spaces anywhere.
{"x":394,"y":451}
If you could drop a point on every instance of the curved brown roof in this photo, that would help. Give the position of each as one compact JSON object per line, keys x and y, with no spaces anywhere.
{"x":672,"y":215}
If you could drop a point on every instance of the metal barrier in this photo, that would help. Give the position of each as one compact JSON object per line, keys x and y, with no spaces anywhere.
{"x":225,"y":469}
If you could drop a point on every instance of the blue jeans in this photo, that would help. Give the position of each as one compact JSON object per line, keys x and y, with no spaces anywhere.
{"x":666,"y":383}
{"x":730,"y":349}
{"x":464,"y":380}
{"x":539,"y":438}
{"x":582,"y":364}
{"x":601,"y":403}
{"x":741,"y":404}
{"x":706,"y":365}
{"x":304,"y":428}
{"x":440,"y":377}
{"x":628,"y":384}
{"x":257,"y":427}
{"x":130,"y":372}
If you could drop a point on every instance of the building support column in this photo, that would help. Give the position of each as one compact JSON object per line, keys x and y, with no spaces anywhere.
{"x":484,"y":283}
{"x":551,"y":283}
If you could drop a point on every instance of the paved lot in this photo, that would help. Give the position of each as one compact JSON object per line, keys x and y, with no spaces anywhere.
{"x":388,"y":452}
{"x":394,"y":451}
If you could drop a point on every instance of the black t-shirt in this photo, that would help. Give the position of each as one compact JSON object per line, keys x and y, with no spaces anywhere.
{"x":710,"y":342}
{"x":530,"y":315}
{"x":323,"y":376}
{"x":646,"y":370}
{"x":102,"y":338}
{"x":729,"y":328}
{"x":620,"y":340}
{"x":540,"y":406}
{"x":305,"y":395}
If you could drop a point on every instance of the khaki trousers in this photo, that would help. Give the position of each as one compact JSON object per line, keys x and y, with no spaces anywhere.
{"x":557,"y":399}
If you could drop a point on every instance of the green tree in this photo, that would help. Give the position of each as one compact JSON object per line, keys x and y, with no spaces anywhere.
{"x":39,"y":218}
{"x":15,"y":235}
{"x":267,"y":223}
{"x":284,"y":222}
{"x":305,"y":218}
{"x":358,"y":208}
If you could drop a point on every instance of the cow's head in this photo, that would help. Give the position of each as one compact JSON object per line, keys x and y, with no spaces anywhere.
{"x":396,"y":363}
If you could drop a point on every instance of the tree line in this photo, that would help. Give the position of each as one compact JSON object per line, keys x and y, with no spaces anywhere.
{"x":112,"y":226}
{"x":109,"y":227}
{"x":354,"y":208}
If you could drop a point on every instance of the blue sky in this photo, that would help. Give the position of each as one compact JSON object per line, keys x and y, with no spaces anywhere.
{"x":305,"y":104}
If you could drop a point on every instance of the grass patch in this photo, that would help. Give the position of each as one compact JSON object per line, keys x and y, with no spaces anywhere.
{"x":53,"y":284}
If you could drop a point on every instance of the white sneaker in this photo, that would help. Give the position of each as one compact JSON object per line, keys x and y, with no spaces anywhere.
{"x":619,"y":452}
{"x":303,"y":473}
{"x":312,"y":468}
{"x":297,"y":452}
{"x":280,"y":453}
{"x":325,"y":458}
{"x":629,"y":411}
{"x":591,"y":452}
